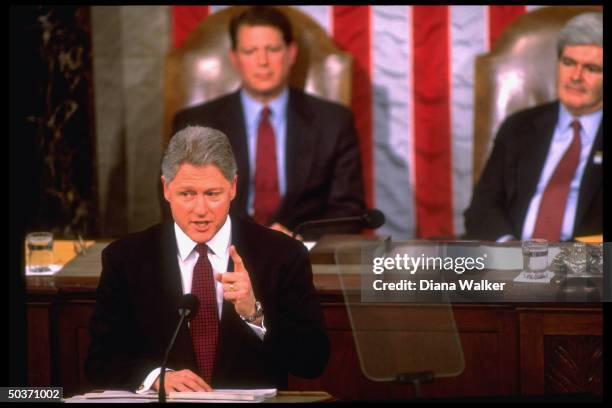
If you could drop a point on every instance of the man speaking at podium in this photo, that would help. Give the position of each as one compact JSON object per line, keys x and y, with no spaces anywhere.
{"x":259,"y":316}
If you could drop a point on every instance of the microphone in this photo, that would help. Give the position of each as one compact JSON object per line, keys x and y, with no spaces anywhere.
{"x":187,"y":308}
{"x":371,"y":219}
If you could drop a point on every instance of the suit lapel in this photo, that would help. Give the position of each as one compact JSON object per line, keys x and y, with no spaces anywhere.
{"x":235,"y":128}
{"x":301,"y":142}
{"x":533,"y":152}
{"x":171,"y":284}
{"x":228,"y":333}
{"x":233,"y":330}
{"x":172,"y":290}
{"x":591,"y":179}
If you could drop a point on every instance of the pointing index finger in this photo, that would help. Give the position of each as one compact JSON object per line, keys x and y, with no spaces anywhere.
{"x":238,"y":265}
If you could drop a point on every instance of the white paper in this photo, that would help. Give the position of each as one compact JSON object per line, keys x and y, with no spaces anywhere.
{"x":54,"y":269}
{"x":120,"y":394}
{"x":225,"y":394}
{"x":523,"y":277}
{"x":218,"y":395}
{"x":266,"y":392}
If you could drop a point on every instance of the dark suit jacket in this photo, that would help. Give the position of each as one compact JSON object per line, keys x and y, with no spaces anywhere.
{"x":323,"y":165}
{"x":136,"y":313}
{"x":501,"y":198}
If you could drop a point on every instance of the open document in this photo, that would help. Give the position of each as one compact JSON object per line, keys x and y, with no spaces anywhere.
{"x":219,"y":395}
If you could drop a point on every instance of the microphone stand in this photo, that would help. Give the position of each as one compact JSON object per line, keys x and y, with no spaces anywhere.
{"x":162,"y":376}
{"x":325,"y":222}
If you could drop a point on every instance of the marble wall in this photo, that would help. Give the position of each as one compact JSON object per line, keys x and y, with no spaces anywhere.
{"x":129,"y":48}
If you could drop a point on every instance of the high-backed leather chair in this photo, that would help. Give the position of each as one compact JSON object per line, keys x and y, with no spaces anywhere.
{"x":518,"y":73}
{"x":200,"y":70}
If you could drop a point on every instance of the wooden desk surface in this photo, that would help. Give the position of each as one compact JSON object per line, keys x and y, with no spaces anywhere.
{"x":81,"y":272}
{"x":81,"y":275}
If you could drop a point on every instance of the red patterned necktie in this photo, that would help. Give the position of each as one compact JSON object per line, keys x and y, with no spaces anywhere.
{"x":267,"y":196}
{"x":205,"y":325}
{"x":552,"y":207}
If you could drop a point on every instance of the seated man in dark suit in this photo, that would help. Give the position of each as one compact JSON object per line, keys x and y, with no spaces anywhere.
{"x":544,"y":176}
{"x":259,"y":317}
{"x":298,"y":155}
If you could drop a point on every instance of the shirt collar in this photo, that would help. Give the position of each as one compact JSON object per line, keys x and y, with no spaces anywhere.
{"x":590,"y":122}
{"x":218,"y":244}
{"x":253,"y":107}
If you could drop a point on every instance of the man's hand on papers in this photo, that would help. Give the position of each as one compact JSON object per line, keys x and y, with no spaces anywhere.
{"x":183,"y":380}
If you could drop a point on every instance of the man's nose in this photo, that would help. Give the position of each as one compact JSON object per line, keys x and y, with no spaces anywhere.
{"x":262,"y":57}
{"x":200,"y":205}
{"x":577,"y":72}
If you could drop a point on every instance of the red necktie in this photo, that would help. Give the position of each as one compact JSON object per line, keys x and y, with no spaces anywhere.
{"x":267,"y":195}
{"x":554,"y":199}
{"x":205,"y":325}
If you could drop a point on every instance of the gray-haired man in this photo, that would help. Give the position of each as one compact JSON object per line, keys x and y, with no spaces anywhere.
{"x":259,"y":316}
{"x":544,"y":176}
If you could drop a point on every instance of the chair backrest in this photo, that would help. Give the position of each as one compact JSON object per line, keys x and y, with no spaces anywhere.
{"x":518,"y":73}
{"x":200,"y":70}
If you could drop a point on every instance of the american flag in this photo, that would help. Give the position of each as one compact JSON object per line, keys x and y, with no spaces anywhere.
{"x":413,"y":96}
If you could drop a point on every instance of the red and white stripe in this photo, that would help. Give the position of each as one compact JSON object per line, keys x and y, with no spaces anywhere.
{"x":412,"y":100}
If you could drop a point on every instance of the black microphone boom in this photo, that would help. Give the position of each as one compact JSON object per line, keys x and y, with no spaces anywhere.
{"x":187,"y":308}
{"x":370,"y":219}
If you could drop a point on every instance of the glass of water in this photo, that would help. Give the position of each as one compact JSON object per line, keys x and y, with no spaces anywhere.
{"x":577,"y":259}
{"x":535,"y":258}
{"x":40,"y":251}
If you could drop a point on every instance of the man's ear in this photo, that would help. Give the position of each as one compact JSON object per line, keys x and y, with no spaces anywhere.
{"x":233,"y":188}
{"x":166,"y":188}
{"x":293,"y":51}
{"x":233,"y":56}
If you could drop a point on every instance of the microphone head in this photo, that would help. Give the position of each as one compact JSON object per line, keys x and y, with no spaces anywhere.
{"x":373,"y":218}
{"x":188,"y":306}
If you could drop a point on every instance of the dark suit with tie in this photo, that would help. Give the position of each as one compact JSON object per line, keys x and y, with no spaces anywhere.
{"x":323,"y":164}
{"x":501,"y":199}
{"x":136,"y":313}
